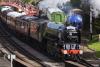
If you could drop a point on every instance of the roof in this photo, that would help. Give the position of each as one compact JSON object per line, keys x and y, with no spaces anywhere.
{"x":16,"y":14}
{"x":25,"y":17}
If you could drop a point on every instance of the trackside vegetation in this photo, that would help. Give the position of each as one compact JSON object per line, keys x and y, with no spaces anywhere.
{"x":95,"y":44}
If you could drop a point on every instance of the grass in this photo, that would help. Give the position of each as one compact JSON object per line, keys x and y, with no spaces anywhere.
{"x":95,"y":44}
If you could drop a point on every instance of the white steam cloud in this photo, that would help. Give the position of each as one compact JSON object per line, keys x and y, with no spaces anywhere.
{"x":95,"y":6}
{"x":51,"y":3}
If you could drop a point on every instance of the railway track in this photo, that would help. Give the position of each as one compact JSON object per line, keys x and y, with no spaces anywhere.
{"x":14,"y":47}
{"x":85,"y":63}
{"x":80,"y":62}
{"x":89,"y":54}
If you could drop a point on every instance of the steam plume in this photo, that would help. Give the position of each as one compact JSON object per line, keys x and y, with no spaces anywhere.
{"x":95,"y":7}
{"x":51,"y":3}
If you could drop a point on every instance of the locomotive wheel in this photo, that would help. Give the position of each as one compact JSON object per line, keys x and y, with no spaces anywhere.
{"x":51,"y":48}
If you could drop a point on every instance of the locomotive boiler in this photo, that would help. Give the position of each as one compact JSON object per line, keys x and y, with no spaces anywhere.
{"x":58,"y":39}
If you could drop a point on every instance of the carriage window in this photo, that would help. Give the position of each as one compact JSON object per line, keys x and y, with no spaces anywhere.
{"x":17,"y":25}
{"x":22,"y":25}
{"x":13,"y":21}
{"x":26,"y":27}
{"x":34,"y":27}
{"x":8,"y":22}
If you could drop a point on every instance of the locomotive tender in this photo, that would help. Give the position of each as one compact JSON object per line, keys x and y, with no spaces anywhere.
{"x":57,"y":38}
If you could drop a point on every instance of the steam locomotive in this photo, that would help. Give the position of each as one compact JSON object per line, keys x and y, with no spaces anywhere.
{"x":58,"y":39}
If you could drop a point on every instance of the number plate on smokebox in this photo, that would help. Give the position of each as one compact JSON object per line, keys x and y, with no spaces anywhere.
{"x":69,"y":46}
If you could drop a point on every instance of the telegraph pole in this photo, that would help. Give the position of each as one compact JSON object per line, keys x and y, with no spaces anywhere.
{"x":91,"y":32}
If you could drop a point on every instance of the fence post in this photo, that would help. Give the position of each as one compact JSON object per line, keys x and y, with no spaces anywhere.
{"x":99,"y":37}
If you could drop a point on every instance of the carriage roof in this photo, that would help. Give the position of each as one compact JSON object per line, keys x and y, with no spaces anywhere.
{"x":31,"y":19}
{"x":15,"y":14}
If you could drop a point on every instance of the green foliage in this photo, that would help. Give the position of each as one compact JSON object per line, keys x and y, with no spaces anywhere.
{"x":97,"y":54}
{"x":27,"y":1}
{"x":31,"y":1}
{"x":96,"y":47}
{"x":95,"y":39}
{"x":95,"y":44}
{"x":96,"y":25}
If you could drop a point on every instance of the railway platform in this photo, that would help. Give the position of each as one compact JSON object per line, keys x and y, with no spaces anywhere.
{"x":3,"y":61}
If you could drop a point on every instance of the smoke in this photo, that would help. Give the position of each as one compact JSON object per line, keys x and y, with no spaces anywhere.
{"x":95,"y":7}
{"x":51,"y":3}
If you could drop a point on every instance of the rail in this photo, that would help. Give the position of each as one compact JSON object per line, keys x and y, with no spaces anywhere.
{"x":84,"y":62}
